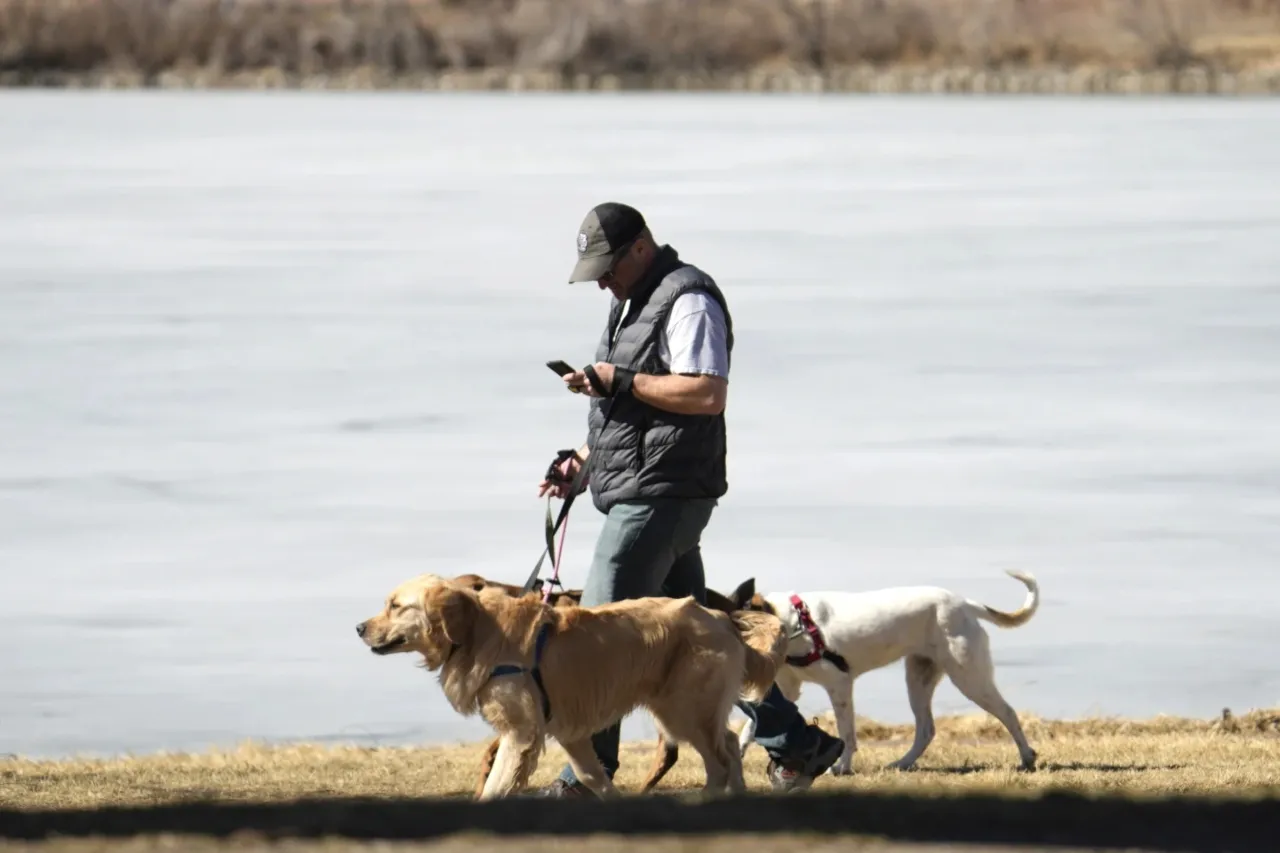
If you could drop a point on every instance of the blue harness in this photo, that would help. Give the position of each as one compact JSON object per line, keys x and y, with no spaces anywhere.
{"x":536,"y":671}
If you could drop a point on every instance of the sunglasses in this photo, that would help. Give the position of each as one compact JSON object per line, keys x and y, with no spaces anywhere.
{"x":609,"y":276}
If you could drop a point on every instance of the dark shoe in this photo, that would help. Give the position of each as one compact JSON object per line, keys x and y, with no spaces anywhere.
{"x":797,"y":773}
{"x":562,"y":790}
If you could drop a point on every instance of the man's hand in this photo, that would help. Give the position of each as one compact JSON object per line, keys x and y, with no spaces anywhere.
{"x":560,"y":474}
{"x":578,"y":379}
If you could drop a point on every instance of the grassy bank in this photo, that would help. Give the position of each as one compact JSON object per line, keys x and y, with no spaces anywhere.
{"x":1067,"y":46}
{"x":1162,"y":783}
{"x":970,"y":754}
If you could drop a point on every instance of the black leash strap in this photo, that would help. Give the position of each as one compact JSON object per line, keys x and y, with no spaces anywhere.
{"x":553,"y":527}
{"x":578,"y":481}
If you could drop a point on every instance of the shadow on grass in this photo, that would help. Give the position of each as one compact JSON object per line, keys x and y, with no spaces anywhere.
{"x":1059,"y":819}
{"x":966,"y":769}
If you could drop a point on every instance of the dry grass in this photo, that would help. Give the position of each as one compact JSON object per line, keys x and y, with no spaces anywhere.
{"x":398,"y":38}
{"x":971,"y":754}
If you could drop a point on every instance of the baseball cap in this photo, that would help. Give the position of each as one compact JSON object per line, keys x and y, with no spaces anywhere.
{"x":607,"y":228}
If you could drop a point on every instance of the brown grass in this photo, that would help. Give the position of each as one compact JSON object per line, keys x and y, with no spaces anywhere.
{"x":971,"y":754}
{"x":636,"y":38}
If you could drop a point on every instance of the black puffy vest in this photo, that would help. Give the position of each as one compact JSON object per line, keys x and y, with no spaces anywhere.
{"x":643,"y":451}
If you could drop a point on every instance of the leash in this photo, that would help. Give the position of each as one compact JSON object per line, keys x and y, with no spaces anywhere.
{"x":559,"y":558}
{"x":552,"y":526}
{"x":575,"y":488}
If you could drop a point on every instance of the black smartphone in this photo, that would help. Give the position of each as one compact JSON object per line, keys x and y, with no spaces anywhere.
{"x":561,"y":368}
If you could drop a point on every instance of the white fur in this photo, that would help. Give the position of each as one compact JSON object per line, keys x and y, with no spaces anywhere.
{"x":937,"y":631}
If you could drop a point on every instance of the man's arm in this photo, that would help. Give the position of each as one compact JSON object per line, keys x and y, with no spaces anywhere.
{"x":685,"y":394}
{"x":699,"y":362}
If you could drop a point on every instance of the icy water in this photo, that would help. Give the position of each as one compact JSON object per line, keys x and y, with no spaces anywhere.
{"x":264,"y":356}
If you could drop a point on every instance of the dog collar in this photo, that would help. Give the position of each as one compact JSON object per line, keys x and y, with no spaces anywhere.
{"x":819,"y":650}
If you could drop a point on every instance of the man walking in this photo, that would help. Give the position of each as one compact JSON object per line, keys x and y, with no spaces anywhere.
{"x":656,"y":441}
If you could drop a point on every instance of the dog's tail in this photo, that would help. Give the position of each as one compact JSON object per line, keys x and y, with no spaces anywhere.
{"x":765,"y":639}
{"x":1022,"y":615}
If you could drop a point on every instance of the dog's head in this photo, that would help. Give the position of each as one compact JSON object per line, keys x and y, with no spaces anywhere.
{"x":429,"y":615}
{"x":745,"y":597}
{"x":567,"y":598}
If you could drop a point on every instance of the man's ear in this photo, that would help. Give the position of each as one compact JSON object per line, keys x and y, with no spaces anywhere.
{"x":742,"y":595}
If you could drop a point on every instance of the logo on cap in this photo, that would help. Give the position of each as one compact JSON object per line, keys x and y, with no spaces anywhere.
{"x":582,"y":242}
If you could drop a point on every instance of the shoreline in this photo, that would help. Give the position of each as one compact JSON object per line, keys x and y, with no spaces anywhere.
{"x":972,"y":728}
{"x":1156,"y":783}
{"x":899,"y":80}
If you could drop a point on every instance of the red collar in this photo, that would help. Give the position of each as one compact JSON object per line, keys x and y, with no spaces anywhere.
{"x":810,"y":628}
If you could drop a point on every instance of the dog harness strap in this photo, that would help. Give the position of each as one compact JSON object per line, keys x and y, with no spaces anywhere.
{"x":512,"y":669}
{"x":538,"y":645}
{"x":819,"y":650}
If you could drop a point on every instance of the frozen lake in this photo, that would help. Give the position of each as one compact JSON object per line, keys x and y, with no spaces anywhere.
{"x":264,"y":356}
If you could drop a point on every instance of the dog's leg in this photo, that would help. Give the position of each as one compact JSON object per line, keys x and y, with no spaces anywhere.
{"x":746,"y":736}
{"x":688,"y":719}
{"x":923,"y":676}
{"x":789,"y":685}
{"x":587,"y":767}
{"x":664,"y":759}
{"x":839,"y":688}
{"x":516,"y":758}
{"x":973,"y":674}
{"x":708,"y":738}
{"x":737,"y":782}
{"x":486,"y":765}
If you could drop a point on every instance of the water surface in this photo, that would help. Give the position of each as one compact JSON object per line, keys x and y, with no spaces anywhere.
{"x":263,"y":356}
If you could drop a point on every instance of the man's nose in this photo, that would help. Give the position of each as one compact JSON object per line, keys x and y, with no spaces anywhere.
{"x":360,"y":629}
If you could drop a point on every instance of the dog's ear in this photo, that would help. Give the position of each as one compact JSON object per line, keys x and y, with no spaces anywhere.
{"x":741,"y":596}
{"x":720,"y":601}
{"x":453,"y":609}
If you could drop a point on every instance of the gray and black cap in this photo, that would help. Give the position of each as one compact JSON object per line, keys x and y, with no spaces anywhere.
{"x":607,"y":230}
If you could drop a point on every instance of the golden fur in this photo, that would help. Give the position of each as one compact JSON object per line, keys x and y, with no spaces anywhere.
{"x":685,"y":663}
{"x":667,"y":753}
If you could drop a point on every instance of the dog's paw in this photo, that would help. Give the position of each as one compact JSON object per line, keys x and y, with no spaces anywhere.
{"x":900,"y":765}
{"x":839,"y":769}
{"x":1029,"y":763}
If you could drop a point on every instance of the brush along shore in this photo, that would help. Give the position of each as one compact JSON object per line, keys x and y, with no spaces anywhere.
{"x":1029,"y":46}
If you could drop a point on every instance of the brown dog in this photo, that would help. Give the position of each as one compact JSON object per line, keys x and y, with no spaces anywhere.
{"x":519,"y":664}
{"x":668,"y":752}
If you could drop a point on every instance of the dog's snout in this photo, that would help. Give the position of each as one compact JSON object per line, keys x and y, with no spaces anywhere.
{"x":361,"y":628}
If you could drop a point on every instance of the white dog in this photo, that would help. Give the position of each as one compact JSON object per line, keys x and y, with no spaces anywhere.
{"x":837,"y":636}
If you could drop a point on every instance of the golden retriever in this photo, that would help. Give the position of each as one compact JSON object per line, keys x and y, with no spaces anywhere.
{"x":667,"y":753}
{"x":532,"y":671}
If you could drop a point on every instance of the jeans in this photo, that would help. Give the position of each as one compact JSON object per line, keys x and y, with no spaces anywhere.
{"x":652,"y":547}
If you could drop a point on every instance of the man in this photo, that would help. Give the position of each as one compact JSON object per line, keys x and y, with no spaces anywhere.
{"x":656,"y":441}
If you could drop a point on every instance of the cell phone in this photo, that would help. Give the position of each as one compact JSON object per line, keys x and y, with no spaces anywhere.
{"x":561,"y":368}
{"x":564,"y":369}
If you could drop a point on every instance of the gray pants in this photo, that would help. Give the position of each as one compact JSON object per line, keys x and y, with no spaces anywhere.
{"x":645,"y":548}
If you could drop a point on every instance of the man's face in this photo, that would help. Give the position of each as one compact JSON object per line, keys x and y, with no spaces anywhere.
{"x":625,"y":272}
